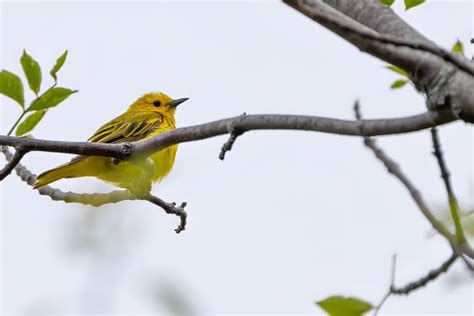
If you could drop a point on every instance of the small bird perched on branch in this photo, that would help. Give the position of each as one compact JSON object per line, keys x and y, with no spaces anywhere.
{"x":150,"y":115}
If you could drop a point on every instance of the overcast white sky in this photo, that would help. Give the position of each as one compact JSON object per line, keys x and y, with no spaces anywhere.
{"x":288,"y":218}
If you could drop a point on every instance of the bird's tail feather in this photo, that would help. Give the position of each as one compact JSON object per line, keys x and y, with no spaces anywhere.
{"x":68,"y":170}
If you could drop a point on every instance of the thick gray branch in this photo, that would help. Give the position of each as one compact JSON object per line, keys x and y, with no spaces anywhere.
{"x":446,"y":80}
{"x":340,"y":23}
{"x":381,"y":19}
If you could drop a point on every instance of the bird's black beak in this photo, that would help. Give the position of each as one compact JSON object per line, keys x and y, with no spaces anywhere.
{"x":177,"y":102}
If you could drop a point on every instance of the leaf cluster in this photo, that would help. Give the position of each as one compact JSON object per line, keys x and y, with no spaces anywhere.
{"x":12,"y":86}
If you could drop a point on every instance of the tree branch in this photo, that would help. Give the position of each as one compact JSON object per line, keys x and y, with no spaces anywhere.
{"x":432,"y":275}
{"x":392,"y":284}
{"x":239,"y":123}
{"x":321,"y":13}
{"x":10,"y":165}
{"x":171,"y":208}
{"x":394,"y":169}
{"x":445,"y":175}
{"x":119,"y":151}
{"x":433,"y":70}
{"x":96,"y":199}
{"x":381,"y":19}
{"x":229,"y":143}
{"x":415,"y":285}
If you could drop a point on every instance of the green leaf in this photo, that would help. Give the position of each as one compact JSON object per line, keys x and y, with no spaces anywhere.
{"x":12,"y":87}
{"x":59,"y":63}
{"x":412,"y":3}
{"x":50,"y":98}
{"x":344,"y":306}
{"x":399,"y":84}
{"x":32,"y":71}
{"x":387,"y":2}
{"x":30,"y":122}
{"x":398,"y":70}
{"x":458,"y":48}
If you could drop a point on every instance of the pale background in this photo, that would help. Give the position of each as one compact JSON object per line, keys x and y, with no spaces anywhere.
{"x":288,"y":218}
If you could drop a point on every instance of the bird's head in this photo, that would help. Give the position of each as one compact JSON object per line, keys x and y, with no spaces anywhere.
{"x":157,"y":102}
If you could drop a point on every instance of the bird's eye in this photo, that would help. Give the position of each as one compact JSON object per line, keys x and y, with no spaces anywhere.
{"x":156,"y":103}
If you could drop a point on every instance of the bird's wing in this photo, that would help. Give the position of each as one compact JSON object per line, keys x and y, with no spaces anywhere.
{"x":127,"y":129}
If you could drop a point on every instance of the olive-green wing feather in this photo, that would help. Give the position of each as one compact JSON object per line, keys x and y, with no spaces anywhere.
{"x":127,"y":129}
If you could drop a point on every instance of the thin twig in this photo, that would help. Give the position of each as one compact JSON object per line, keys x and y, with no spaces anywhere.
{"x":171,"y":208}
{"x":432,"y":275}
{"x":415,"y":285}
{"x":394,"y":267}
{"x":394,"y":169}
{"x":16,"y":123}
{"x":97,"y":199}
{"x":445,"y":175}
{"x":379,"y":305}
{"x":229,"y":143}
{"x":392,"y":284}
{"x":438,"y":153}
{"x":11,"y":164}
{"x":234,"y":133}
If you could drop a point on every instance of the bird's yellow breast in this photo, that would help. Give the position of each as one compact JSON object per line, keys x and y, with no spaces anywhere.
{"x":164,"y":161}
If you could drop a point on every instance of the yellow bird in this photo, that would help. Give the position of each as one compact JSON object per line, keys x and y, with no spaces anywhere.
{"x":150,"y":115}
